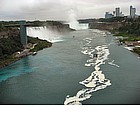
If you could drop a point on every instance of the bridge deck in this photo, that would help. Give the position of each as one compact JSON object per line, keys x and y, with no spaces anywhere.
{"x":18,"y":25}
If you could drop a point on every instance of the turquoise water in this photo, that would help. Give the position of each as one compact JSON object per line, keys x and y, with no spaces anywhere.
{"x":55,"y":72}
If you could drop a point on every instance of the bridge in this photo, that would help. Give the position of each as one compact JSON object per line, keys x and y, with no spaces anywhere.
{"x":23,"y":33}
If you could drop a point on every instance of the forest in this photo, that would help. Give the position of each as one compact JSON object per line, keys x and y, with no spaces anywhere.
{"x":131,"y":27}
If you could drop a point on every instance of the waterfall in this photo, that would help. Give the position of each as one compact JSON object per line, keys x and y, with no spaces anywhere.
{"x":78,"y":26}
{"x":44,"y":33}
{"x":74,"y":24}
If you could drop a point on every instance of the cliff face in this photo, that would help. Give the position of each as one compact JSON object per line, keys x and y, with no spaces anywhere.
{"x":110,"y":26}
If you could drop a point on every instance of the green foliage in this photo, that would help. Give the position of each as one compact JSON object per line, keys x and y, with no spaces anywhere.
{"x":41,"y":44}
{"x":113,"y":19}
{"x":43,"y":23}
{"x":128,"y":37}
{"x":86,"y":20}
{"x":137,"y":50}
{"x":10,"y":42}
{"x":54,"y":23}
{"x":1,"y":27}
{"x":7,"y":61}
{"x":131,"y":26}
{"x":9,"y":45}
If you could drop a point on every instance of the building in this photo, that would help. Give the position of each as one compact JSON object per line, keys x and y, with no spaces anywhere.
{"x":108,"y":15}
{"x":121,"y":14}
{"x":117,"y":11}
{"x":114,"y":13}
{"x":132,"y":12}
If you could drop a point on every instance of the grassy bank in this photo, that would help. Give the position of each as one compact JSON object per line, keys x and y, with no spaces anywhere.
{"x":137,"y":50}
{"x":130,"y":40}
{"x":40,"y":44}
{"x":128,"y":37}
{"x":7,"y":61}
{"x":130,"y":32}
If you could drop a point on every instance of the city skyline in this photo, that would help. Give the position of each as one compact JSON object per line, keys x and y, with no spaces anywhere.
{"x":61,"y":9}
{"x":118,"y":13}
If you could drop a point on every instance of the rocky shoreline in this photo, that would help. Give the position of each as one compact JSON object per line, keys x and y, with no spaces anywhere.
{"x":133,"y":46}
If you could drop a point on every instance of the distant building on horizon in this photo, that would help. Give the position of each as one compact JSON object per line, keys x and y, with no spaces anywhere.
{"x":108,"y":15}
{"x":118,"y":13}
{"x":132,"y":12}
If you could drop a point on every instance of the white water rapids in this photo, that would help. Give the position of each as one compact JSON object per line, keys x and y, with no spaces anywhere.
{"x":97,"y":57}
{"x":97,"y":79}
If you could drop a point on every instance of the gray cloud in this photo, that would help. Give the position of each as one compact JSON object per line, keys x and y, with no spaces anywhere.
{"x":59,"y":10}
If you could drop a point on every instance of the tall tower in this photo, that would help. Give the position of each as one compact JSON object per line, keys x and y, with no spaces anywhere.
{"x":23,"y":33}
{"x":117,"y":10}
{"x":132,"y":12}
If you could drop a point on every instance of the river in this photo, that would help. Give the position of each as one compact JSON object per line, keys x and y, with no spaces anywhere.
{"x":82,"y":67}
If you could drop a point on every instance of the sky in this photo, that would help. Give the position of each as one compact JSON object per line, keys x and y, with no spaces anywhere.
{"x":62,"y":9}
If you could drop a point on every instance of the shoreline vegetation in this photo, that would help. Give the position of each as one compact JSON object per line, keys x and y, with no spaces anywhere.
{"x":12,"y":52}
{"x":126,"y":29}
{"x":11,"y":49}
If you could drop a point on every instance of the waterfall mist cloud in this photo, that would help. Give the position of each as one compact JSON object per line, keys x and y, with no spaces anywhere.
{"x":59,"y":10}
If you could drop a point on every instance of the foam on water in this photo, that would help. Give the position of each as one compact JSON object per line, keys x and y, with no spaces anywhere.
{"x":97,"y":79}
{"x":112,"y":63}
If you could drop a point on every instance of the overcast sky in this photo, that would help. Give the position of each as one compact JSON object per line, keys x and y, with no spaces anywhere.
{"x":61,"y":9}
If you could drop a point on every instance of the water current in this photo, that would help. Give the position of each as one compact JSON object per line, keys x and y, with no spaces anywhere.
{"x":81,"y":67}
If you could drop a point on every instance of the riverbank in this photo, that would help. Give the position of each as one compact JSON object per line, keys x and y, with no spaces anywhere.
{"x":11,"y":59}
{"x":126,"y":30}
{"x":130,"y":41}
{"x":34,"y":45}
{"x":11,"y":48}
